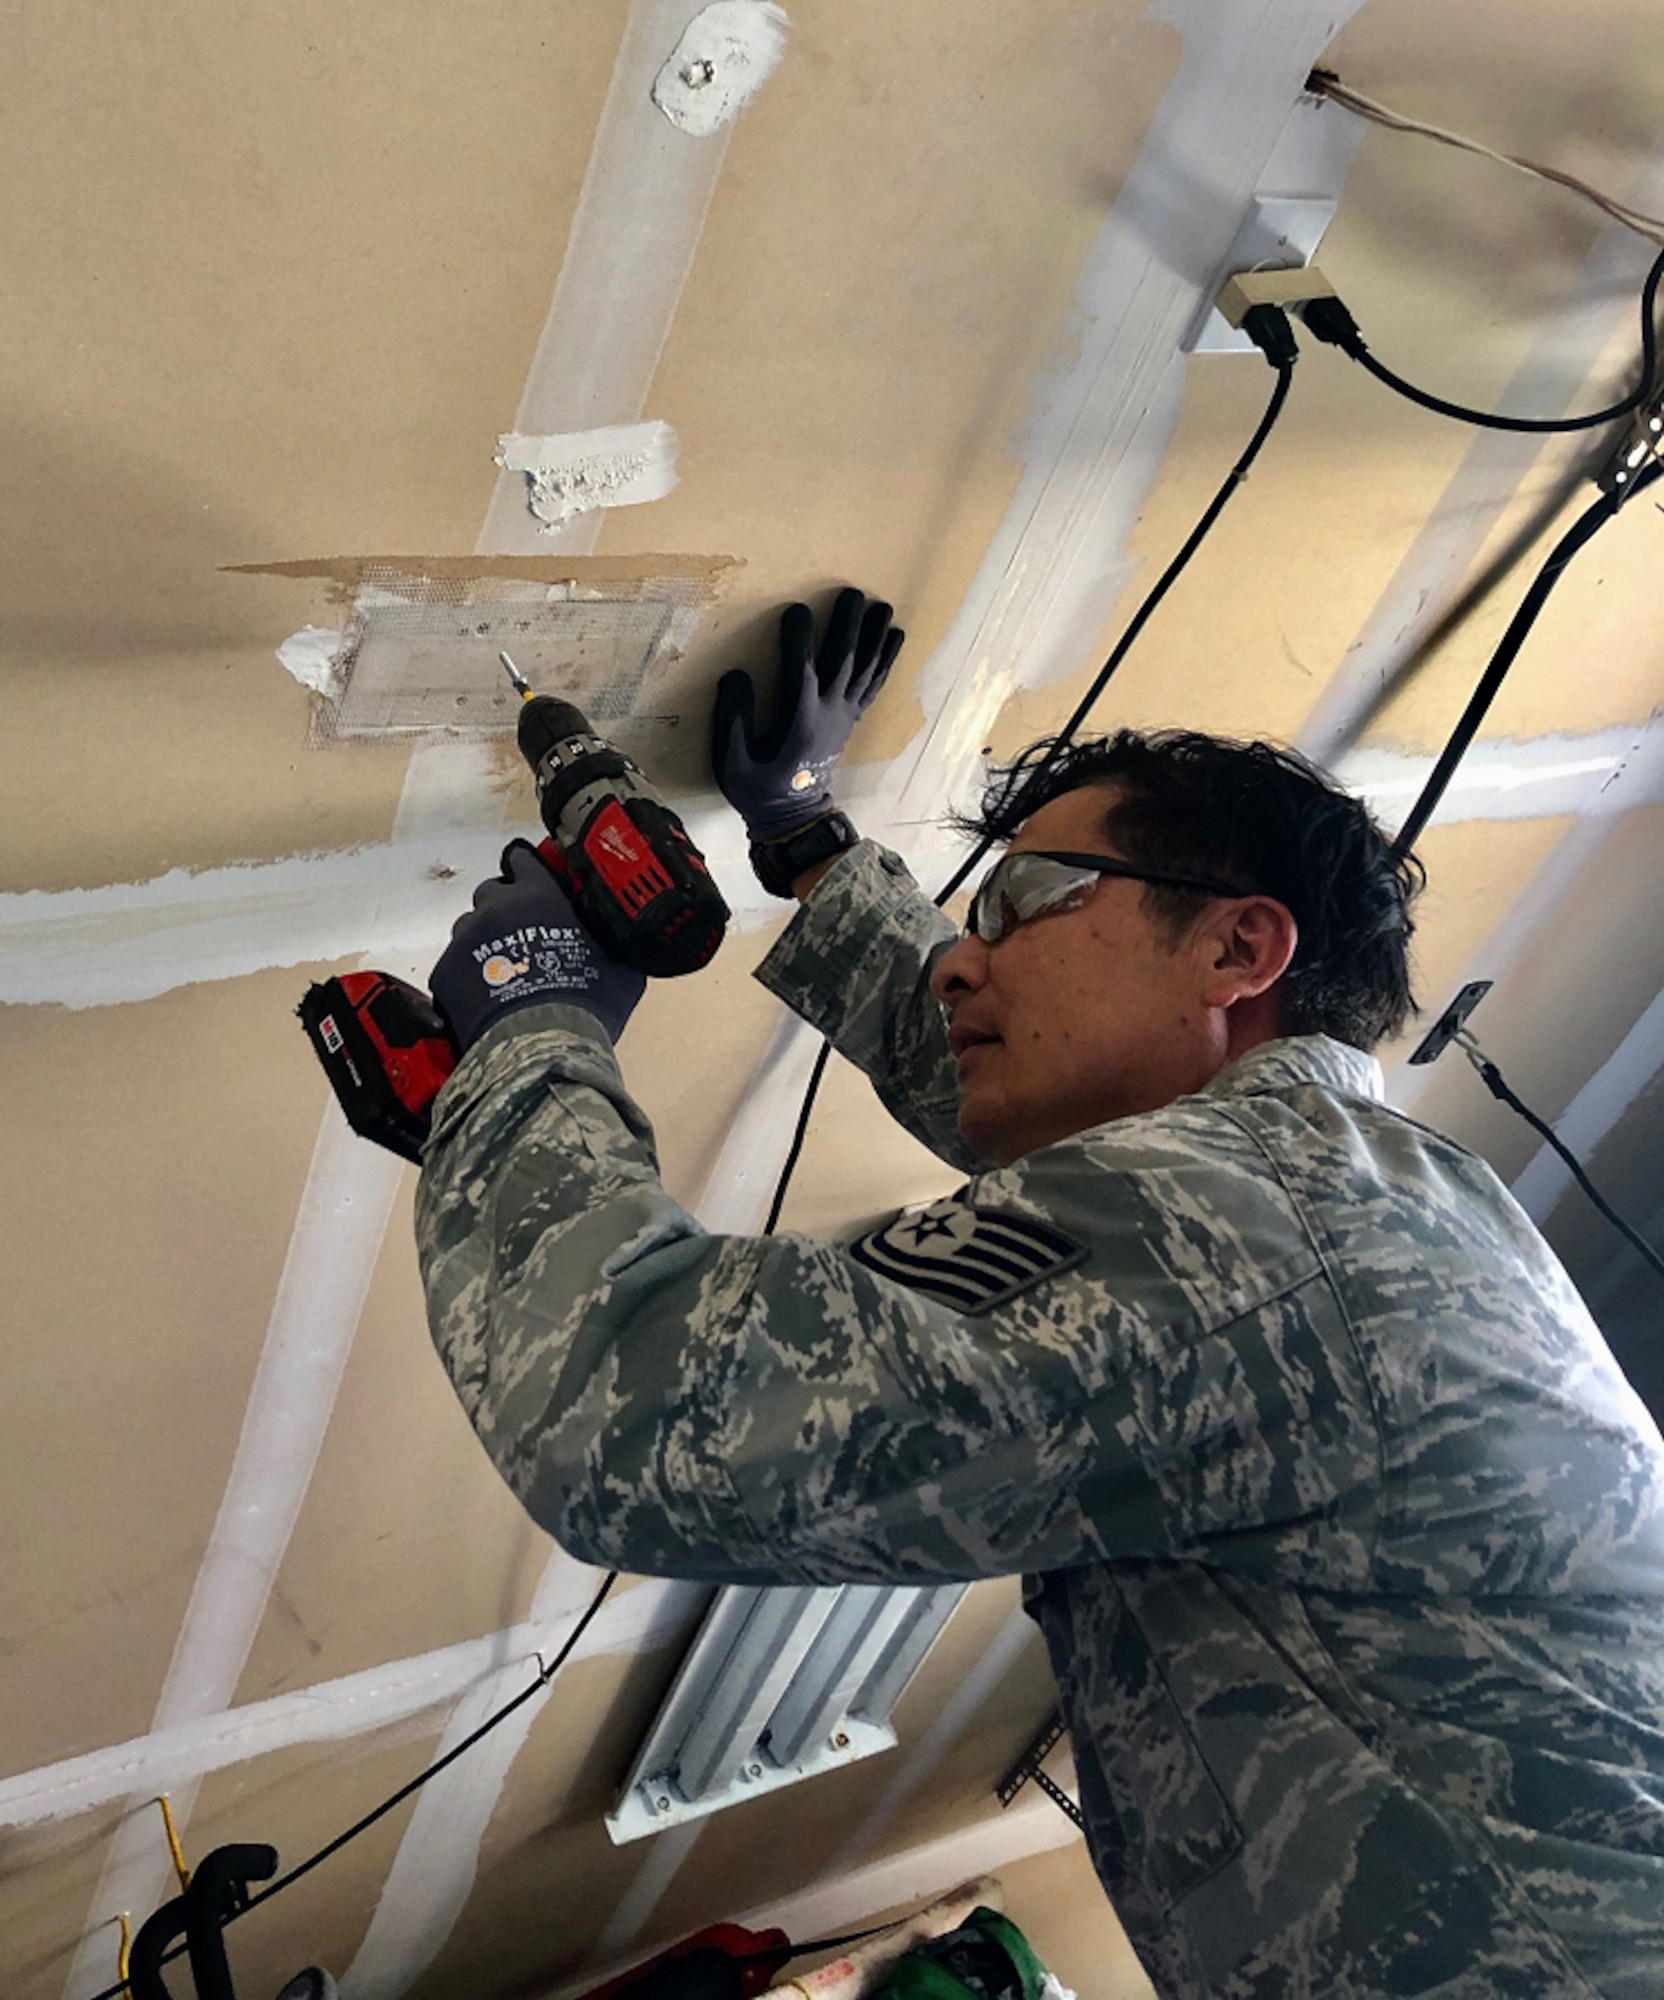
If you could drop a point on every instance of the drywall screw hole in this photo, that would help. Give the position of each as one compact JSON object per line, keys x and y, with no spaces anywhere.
{"x":699,"y":72}
{"x":840,"y":1741}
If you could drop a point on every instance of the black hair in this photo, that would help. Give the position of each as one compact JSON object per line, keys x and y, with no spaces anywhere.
{"x":1261,"y":816}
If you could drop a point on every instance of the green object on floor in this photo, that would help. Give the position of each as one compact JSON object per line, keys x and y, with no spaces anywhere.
{"x":987,"y":1958}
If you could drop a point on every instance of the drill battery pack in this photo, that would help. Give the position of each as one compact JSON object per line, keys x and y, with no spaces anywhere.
{"x":386,"y":1051}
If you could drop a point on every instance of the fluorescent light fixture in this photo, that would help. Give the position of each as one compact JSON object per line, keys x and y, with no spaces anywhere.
{"x":778,"y":1685}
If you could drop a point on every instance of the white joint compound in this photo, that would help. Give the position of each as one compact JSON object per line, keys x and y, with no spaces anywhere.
{"x":312,"y":655}
{"x":620,"y":465}
{"x":724,"y":57}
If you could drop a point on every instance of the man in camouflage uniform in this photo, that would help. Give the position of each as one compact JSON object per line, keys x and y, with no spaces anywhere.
{"x":1345,"y":1533}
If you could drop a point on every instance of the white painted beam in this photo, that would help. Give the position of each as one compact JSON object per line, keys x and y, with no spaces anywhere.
{"x":433,"y":1872}
{"x":634,"y":233}
{"x":635,"y":1620}
{"x":1231,"y":121}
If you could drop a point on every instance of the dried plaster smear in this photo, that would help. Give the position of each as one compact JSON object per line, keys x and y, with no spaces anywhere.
{"x":312,"y":655}
{"x":725,"y":55}
{"x":620,"y":465}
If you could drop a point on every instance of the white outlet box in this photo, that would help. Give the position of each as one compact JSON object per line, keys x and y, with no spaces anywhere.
{"x":1282,"y":232}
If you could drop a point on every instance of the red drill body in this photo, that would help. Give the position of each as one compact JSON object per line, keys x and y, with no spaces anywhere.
{"x":638,"y":884}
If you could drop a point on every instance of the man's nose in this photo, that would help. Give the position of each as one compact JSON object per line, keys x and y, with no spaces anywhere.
{"x":960,"y":970}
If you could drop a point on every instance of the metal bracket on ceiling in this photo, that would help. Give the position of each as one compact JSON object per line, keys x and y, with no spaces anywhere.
{"x":1027,"y":1770}
{"x":1448,"y":1027}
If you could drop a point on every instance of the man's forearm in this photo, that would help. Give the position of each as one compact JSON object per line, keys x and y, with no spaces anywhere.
{"x":802,"y":885}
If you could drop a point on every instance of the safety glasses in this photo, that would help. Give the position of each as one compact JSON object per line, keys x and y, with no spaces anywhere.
{"x":1020,"y":887}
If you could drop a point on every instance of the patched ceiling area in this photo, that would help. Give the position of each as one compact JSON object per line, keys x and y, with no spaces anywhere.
{"x":307,"y":306}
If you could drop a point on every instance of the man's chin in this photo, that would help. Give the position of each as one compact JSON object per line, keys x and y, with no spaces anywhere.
{"x":987,"y":1133}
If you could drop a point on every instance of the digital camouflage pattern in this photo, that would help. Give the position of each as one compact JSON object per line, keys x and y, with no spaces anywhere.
{"x":1344,"y":1530}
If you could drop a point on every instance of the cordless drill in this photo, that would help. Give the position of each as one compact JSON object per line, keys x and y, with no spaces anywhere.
{"x":638,"y":885}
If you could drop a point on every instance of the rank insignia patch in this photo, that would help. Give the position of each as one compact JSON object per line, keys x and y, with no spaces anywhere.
{"x":970,"y":1258}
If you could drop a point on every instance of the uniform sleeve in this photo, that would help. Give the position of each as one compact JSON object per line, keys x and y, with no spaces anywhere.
{"x":777,"y":1410}
{"x":855,"y":962}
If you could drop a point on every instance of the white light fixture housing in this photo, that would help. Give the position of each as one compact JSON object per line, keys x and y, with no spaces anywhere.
{"x":779,"y":1684}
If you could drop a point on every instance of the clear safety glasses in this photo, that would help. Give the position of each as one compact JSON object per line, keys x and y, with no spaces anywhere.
{"x":1020,"y":887}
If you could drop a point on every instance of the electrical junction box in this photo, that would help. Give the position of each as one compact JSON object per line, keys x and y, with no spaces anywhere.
{"x":1277,"y":242}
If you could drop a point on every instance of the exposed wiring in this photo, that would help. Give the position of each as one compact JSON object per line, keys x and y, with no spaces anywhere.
{"x":1582,"y":531}
{"x":1282,"y":360}
{"x":1325,"y":83}
{"x":1330,"y":321}
{"x":1494,"y":1082}
{"x":544,"y":1677}
{"x":794,"y":1152}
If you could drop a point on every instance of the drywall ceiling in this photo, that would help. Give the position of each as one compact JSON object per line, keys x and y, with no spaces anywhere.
{"x":279,"y":281}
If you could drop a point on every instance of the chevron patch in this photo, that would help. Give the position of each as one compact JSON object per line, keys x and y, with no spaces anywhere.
{"x":970,"y":1258}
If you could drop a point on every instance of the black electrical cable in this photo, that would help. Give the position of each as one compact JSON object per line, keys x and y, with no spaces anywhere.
{"x":1170,"y":576}
{"x":1582,"y":531}
{"x":544,"y":1677}
{"x":1330,"y":321}
{"x":1494,"y":1082}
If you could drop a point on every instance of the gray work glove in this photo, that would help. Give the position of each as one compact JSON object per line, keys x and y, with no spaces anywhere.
{"x":521,"y":943}
{"x":779,"y":778}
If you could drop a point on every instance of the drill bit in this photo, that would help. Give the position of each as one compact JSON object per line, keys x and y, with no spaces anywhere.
{"x":519,"y":679}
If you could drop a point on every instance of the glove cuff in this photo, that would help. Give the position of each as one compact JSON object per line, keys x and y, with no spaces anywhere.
{"x":781,"y":818}
{"x":778,"y":863}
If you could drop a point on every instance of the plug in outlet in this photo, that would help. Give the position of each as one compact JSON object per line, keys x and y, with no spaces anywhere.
{"x":1643,"y":447}
{"x":1238,"y":296}
{"x":1275,"y":245}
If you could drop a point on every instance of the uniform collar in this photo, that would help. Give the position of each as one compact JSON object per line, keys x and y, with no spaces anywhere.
{"x":1297,"y":1060}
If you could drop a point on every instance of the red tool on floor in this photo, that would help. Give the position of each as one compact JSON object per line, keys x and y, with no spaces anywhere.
{"x":637,"y":882}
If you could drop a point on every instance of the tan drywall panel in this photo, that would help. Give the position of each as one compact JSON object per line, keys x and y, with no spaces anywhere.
{"x":158,"y":1154}
{"x":549,"y":1876}
{"x":1477,"y":870}
{"x":276,"y":278}
{"x":408,"y":1538}
{"x":889,"y":261}
{"x":1058,"y":1903}
{"x":1559,"y":1013}
{"x":46,"y":1882}
{"x":1595,"y":657}
{"x":690,"y":1052}
{"x":1264,"y":614}
{"x":295,"y":1802}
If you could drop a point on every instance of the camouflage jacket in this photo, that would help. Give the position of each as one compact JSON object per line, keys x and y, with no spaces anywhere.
{"x":1345,"y":1533}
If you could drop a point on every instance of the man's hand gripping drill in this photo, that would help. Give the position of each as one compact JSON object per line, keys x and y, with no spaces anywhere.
{"x":615,"y":895}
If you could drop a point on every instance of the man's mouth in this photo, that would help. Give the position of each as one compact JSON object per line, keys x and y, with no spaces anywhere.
{"x":965,"y":1042}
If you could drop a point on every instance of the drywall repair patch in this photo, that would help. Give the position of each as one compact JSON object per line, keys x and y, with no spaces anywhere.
{"x":723,"y":59}
{"x":620,"y":465}
{"x":418,"y":655}
{"x":313,"y":656}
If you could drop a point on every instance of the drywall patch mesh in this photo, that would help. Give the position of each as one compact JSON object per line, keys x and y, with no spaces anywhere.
{"x":419,"y":652}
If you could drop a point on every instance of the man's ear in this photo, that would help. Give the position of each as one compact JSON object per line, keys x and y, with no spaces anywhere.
{"x":1248,"y":944}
